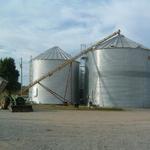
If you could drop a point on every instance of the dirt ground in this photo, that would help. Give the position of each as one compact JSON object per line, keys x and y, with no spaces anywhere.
{"x":75,"y":130}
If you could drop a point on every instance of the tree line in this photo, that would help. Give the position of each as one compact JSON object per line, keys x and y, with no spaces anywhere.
{"x":9,"y":72}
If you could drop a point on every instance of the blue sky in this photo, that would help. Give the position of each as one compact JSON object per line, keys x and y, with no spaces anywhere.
{"x":28,"y":27}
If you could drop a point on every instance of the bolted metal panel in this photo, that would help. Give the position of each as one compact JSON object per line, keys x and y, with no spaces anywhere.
{"x":119,"y":77}
{"x":64,"y":82}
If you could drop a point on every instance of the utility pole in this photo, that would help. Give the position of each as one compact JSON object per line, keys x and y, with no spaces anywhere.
{"x":21,"y":76}
{"x":30,"y":70}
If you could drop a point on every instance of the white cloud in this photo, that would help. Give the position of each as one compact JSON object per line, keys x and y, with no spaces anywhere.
{"x":29,"y":27}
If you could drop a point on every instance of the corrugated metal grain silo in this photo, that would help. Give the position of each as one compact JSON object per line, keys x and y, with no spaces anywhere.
{"x":82,"y":84}
{"x":61,"y":86}
{"x":119,"y":74}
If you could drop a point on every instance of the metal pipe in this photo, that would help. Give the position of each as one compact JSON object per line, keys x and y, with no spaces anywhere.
{"x":91,"y":48}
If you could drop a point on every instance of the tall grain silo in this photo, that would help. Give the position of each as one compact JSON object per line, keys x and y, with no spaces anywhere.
{"x":118,"y":74}
{"x":61,"y":86}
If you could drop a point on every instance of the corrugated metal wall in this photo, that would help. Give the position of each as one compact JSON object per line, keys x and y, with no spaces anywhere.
{"x":67,"y":77}
{"x":119,"y":77}
{"x":61,"y":86}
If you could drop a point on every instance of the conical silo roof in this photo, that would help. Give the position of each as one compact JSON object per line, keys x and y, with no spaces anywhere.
{"x":120,"y":41}
{"x":53,"y":53}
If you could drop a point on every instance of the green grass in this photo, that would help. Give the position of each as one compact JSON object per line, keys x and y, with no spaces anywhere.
{"x":46,"y":107}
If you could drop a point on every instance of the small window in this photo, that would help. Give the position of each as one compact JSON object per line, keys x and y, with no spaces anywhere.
{"x":148,"y":57}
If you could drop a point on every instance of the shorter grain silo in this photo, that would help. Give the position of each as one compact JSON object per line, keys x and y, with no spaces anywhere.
{"x":61,"y":86}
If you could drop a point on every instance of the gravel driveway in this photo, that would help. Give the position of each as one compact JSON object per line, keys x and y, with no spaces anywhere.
{"x":75,"y":130}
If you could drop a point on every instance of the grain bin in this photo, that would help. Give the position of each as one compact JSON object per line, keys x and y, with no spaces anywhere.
{"x":82,"y":79}
{"x":62,"y":86}
{"x":118,"y":74}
